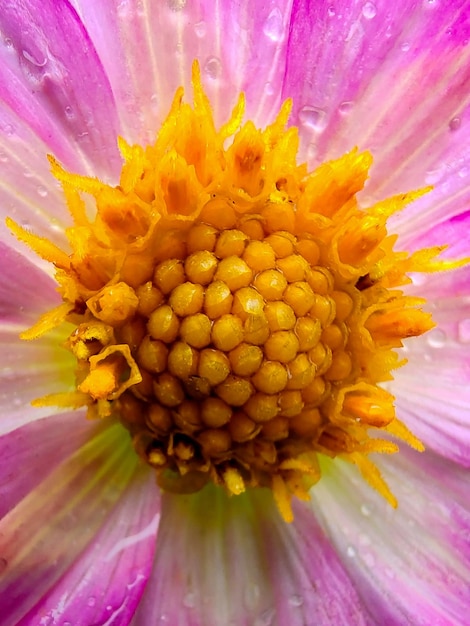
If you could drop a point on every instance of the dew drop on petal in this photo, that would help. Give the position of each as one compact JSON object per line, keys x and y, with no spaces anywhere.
{"x":273,"y":26}
{"x":331,"y":11}
{"x":296,"y":600}
{"x":265,"y":619}
{"x":345,"y":107}
{"x":268,"y":89}
{"x":3,"y":157}
{"x":351,"y":552}
{"x":313,"y":117}
{"x":42,"y":191}
{"x":91,"y":601}
{"x":213,"y":67}
{"x":189,"y":600}
{"x":200,"y":29}
{"x":35,"y":60}
{"x":405,"y":46}
{"x":369,"y":10}
{"x":365,"y":510}
{"x":436,"y":338}
{"x":454,"y":123}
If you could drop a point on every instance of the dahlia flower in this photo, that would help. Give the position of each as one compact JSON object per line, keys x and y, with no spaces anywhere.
{"x":235,"y":313}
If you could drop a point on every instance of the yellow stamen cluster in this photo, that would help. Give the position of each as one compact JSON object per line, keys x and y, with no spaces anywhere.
{"x":235,"y":312}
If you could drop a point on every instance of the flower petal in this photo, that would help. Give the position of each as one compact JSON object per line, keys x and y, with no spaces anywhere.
{"x":25,"y":290}
{"x":368,"y":76}
{"x":30,"y":453}
{"x":223,"y":560}
{"x":73,"y":501}
{"x":232,"y":41}
{"x":433,"y":390}
{"x":53,"y":58}
{"x":411,"y":564}
{"x":105,"y":583}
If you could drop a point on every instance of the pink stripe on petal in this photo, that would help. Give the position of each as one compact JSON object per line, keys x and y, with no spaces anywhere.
{"x":224,"y":560}
{"x":51,"y":76}
{"x":44,"y":534}
{"x":410,"y":564}
{"x":105,"y":583}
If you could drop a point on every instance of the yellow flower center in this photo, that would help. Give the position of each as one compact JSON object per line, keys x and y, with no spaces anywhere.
{"x":236,"y":313}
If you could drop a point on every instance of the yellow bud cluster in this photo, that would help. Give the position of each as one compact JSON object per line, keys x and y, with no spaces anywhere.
{"x":234,"y":312}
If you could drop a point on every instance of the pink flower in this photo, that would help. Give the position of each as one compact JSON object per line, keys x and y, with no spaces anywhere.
{"x":86,"y":538}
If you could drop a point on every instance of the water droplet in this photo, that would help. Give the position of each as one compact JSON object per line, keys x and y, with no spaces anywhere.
{"x":42,"y":191}
{"x":454,"y":123}
{"x":265,"y":619}
{"x":37,"y":61}
{"x":463,"y":172}
{"x":3,"y":157}
{"x":68,"y":111}
{"x":91,"y":601}
{"x":345,"y":107}
{"x":369,"y":10}
{"x":331,"y":11}
{"x":436,"y":338}
{"x":464,"y":331}
{"x":273,"y":25}
{"x":9,"y":130}
{"x":296,"y":600}
{"x":177,"y":5}
{"x":405,"y":46}
{"x":189,"y":600}
{"x":313,"y":118}
{"x":351,"y":552}
{"x":200,"y":29}
{"x":268,"y":89}
{"x":8,"y":42}
{"x":213,"y":67}
{"x":365,"y":510}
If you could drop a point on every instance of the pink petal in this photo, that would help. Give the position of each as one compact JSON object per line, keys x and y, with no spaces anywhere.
{"x":224,"y":560}
{"x":25,"y":290}
{"x":233,"y":41}
{"x":44,"y":534}
{"x":411,"y":564}
{"x":51,"y":76}
{"x":392,"y":78}
{"x":105,"y":583}
{"x":28,"y":192}
{"x":433,"y":390}
{"x":39,"y":446}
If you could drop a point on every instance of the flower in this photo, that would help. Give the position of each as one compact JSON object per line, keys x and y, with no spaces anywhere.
{"x":86,"y":537}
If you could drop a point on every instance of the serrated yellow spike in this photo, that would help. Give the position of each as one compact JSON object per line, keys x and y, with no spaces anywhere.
{"x":41,"y":246}
{"x":48,"y":321}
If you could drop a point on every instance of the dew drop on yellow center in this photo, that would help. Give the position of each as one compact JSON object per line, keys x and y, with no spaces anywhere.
{"x":235,"y":312}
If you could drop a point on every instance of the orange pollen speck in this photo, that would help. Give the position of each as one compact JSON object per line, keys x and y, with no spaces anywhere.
{"x":236,"y":313}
